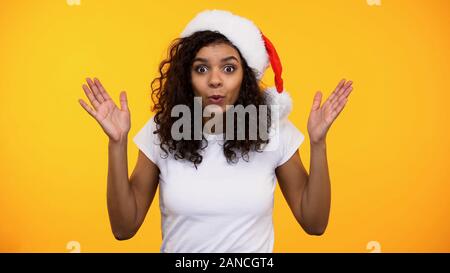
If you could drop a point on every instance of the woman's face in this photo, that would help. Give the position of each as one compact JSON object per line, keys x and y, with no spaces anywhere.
{"x":217,"y":75}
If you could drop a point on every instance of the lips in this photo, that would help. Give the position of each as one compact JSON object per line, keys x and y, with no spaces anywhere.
{"x":216,"y":99}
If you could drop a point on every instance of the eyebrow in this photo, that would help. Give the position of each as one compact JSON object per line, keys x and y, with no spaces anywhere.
{"x":223,"y":60}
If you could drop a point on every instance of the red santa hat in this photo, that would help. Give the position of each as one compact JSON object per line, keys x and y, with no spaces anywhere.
{"x":254,"y":46}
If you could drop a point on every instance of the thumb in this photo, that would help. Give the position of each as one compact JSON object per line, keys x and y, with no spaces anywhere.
{"x":123,"y":101}
{"x":316,"y":101}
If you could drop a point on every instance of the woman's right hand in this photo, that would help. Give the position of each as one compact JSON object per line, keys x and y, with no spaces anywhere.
{"x":115,"y":122}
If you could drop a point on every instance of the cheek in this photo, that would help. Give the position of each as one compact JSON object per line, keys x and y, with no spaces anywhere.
{"x":235,"y":86}
{"x":198,"y":86}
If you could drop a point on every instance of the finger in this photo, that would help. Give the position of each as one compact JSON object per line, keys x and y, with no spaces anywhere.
{"x":347,"y":92}
{"x":123,"y":101}
{"x":339,"y":107}
{"x":102,"y":89}
{"x":333,"y":95}
{"x":316,"y":101}
{"x":91,"y":97}
{"x":87,"y":108}
{"x":339,"y":86}
{"x":341,"y":92}
{"x":336,"y":103}
{"x":336,"y":90}
{"x":345,"y":88}
{"x":95,"y":90}
{"x":342,"y":96}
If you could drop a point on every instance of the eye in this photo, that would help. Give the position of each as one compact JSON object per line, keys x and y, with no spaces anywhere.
{"x":229,"y":68}
{"x":201,"y":69}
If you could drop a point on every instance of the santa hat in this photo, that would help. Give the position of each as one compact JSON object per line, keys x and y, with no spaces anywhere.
{"x":255,"y":47}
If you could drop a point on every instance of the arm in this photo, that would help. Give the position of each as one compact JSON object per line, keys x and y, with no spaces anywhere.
{"x":128,"y":200}
{"x":317,"y":196}
{"x":309,"y":197}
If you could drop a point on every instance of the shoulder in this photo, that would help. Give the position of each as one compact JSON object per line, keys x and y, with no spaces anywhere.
{"x":285,"y":130}
{"x":147,"y":140}
{"x":288,"y":139}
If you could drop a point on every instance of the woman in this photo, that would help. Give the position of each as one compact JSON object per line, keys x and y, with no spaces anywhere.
{"x":216,"y":191}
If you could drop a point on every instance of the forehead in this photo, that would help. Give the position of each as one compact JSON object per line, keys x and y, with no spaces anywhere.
{"x":216,"y":52}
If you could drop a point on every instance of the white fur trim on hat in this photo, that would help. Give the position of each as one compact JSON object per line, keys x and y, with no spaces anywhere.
{"x":282,"y":100}
{"x":243,"y":33}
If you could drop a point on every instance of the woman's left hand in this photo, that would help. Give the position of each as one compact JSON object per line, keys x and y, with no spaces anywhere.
{"x":321,"y":118}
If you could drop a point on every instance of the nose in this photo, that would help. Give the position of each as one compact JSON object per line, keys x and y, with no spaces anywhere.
{"x":215,"y":80}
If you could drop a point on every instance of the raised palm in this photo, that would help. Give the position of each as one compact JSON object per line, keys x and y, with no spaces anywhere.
{"x":115,"y":122}
{"x":322,"y":117}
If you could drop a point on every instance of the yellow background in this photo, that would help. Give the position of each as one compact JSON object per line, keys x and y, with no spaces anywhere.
{"x":387,"y":151}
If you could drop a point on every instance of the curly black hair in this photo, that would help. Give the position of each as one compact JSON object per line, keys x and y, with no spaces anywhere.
{"x":173,"y":87}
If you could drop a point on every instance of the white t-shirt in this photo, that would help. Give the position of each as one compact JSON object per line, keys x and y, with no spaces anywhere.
{"x":219,"y":207}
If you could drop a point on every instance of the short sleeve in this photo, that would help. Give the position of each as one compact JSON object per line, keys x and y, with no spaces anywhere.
{"x":147,"y":141}
{"x":290,"y":140}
